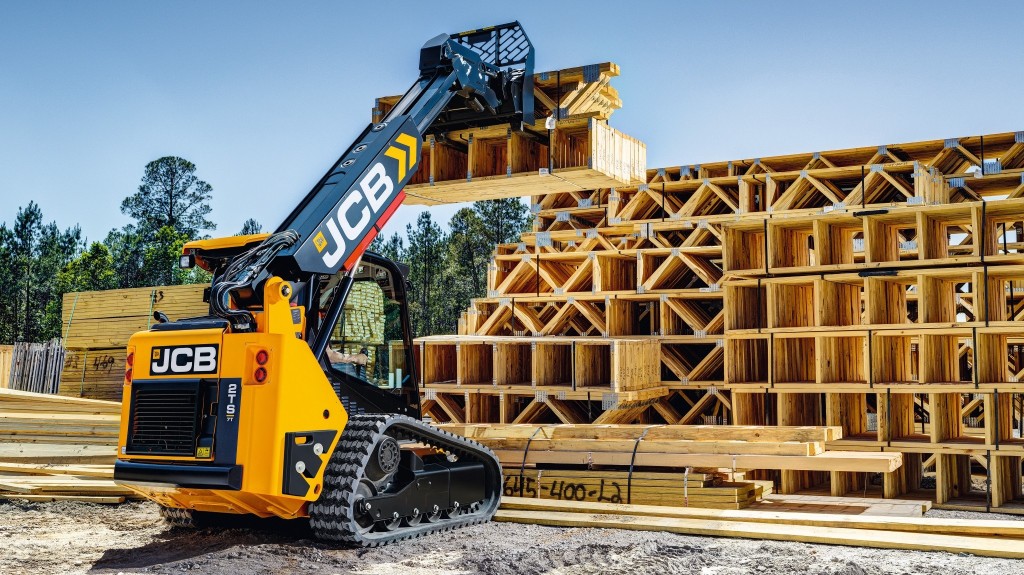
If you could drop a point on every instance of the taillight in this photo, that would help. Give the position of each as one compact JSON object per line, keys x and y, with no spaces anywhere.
{"x":129,"y":362}
{"x":262,"y":356}
{"x":260,"y":375}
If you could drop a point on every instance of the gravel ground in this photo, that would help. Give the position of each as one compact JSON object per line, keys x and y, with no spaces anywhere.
{"x":131,"y":538}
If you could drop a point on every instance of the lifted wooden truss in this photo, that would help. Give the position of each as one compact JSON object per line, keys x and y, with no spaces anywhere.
{"x":570,"y":148}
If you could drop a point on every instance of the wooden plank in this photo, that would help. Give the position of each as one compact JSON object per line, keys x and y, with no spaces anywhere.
{"x":986,"y":547}
{"x":56,"y":453}
{"x":103,"y":471}
{"x":61,"y":485}
{"x":110,"y":500}
{"x":828,"y":461}
{"x":945,"y":526}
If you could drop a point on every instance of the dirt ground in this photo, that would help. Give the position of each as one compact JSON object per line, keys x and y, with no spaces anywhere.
{"x":131,"y":538}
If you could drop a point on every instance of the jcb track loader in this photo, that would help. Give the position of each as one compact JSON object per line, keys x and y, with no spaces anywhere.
{"x":243,"y":412}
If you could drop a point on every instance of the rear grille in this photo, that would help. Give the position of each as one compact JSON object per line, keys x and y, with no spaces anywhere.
{"x":164,"y":418}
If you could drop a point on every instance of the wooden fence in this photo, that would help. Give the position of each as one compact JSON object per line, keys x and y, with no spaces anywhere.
{"x":36,"y":366}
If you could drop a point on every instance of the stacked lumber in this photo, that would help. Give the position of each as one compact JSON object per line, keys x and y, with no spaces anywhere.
{"x":47,"y":482}
{"x":363,"y":324}
{"x":569,"y":148}
{"x":40,"y":428}
{"x":977,"y":537}
{"x":676,"y":446}
{"x":682,"y":488}
{"x":58,"y":448}
{"x":97,"y":326}
{"x":106,"y":319}
{"x":876,"y":289}
{"x":659,"y":464}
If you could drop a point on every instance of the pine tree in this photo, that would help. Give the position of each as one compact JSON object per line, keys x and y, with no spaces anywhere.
{"x":35,"y":254}
{"x":170,"y":208}
{"x":250,"y":227}
{"x":425,"y":256}
{"x":171,"y":195}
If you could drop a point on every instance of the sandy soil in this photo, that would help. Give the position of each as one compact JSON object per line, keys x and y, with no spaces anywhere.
{"x":131,"y":538}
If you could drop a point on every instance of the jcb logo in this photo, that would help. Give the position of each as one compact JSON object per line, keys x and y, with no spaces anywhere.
{"x":182,"y":360}
{"x":366,"y":200}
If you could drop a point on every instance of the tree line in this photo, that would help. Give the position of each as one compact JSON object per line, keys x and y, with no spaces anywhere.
{"x":171,"y":206}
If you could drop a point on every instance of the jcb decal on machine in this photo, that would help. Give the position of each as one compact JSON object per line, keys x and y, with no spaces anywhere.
{"x":184,"y":359}
{"x":354,"y":213}
{"x":364,"y":203}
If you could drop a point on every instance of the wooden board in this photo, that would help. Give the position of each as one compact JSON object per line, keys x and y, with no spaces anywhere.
{"x":108,"y":500}
{"x":828,"y":461}
{"x":983,"y":546}
{"x":945,"y":526}
{"x":6,"y":352}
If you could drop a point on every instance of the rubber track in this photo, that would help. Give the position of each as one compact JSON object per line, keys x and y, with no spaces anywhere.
{"x":332,"y":516}
{"x":178,"y":517}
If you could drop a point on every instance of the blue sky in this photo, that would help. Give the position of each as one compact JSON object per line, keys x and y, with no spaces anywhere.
{"x":264,"y":96}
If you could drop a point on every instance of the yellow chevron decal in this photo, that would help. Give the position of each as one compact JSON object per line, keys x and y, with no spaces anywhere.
{"x":411,"y":143}
{"x":406,"y":160}
{"x":399,"y":155}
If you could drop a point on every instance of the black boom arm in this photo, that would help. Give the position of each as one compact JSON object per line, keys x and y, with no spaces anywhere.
{"x":476,"y":78}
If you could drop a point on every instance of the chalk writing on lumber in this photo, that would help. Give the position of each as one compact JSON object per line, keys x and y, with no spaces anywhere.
{"x":599,"y":490}
{"x":604,"y":491}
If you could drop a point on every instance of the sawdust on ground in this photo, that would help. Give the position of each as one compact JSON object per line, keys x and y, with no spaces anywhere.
{"x":76,"y":538}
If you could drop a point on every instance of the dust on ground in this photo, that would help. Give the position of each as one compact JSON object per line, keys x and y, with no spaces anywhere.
{"x":67,"y":537}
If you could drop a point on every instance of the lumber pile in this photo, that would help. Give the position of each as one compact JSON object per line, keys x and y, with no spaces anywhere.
{"x":363,"y":325}
{"x":682,"y":488}
{"x":976,"y":537}
{"x":54,"y":448}
{"x":570,"y":147}
{"x":660,"y":464}
{"x":40,"y":428}
{"x":97,"y":325}
{"x":46,"y":482}
{"x":106,"y":319}
{"x":58,"y":448}
{"x":876,"y":289}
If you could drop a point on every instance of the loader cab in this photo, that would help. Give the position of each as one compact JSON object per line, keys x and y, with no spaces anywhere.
{"x":368,"y":355}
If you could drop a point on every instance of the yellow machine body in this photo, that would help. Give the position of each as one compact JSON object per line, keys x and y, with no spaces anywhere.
{"x":283,"y":404}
